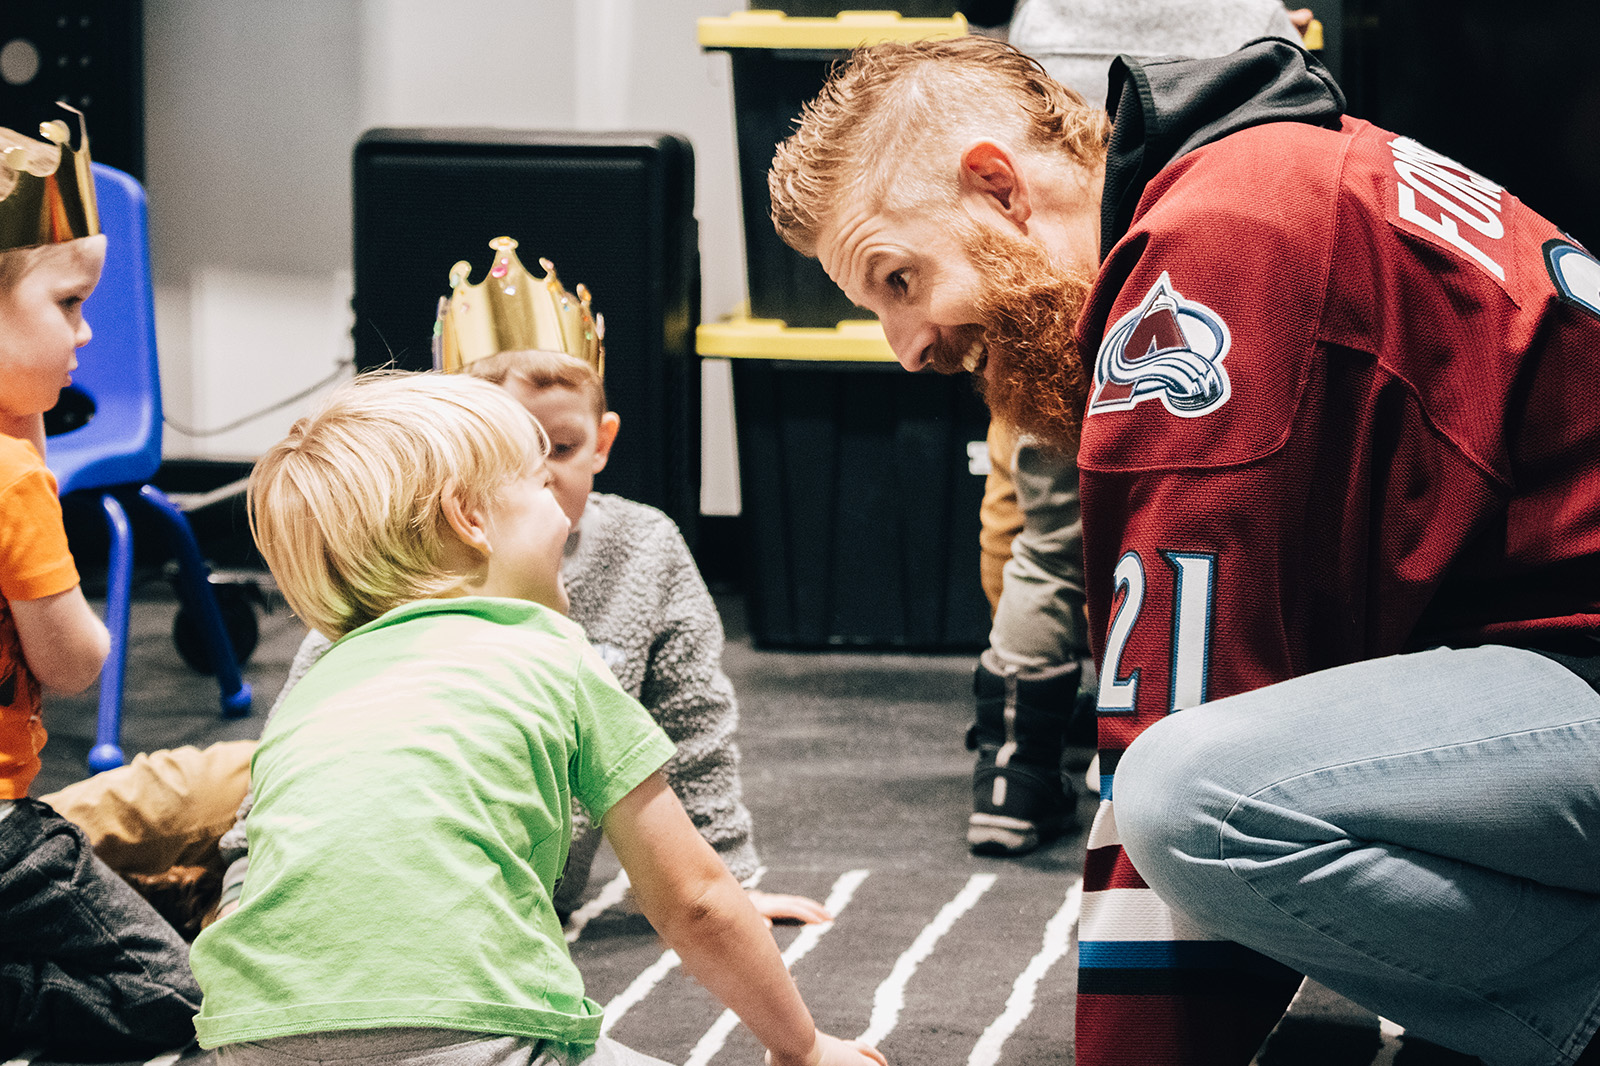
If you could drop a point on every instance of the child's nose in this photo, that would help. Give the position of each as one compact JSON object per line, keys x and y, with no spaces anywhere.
{"x":83,"y":335}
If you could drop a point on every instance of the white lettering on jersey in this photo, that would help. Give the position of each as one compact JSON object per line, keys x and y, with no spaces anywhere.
{"x":1464,"y":196}
{"x":1193,"y":619}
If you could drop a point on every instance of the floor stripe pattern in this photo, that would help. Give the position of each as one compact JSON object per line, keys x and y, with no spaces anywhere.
{"x":860,"y":790}
{"x":932,"y":968}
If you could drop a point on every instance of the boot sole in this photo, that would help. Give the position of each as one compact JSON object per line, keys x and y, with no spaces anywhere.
{"x":996,"y":834}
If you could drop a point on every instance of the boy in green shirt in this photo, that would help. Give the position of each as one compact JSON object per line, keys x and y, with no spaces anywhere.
{"x":413,"y":794}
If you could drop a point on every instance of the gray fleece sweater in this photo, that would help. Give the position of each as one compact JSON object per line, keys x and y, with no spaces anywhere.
{"x":635,"y":590}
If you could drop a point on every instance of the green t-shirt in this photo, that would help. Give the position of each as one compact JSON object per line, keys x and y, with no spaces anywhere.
{"x":413,"y":807}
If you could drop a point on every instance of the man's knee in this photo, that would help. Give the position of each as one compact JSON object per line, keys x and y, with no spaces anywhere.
{"x":1167,"y":800}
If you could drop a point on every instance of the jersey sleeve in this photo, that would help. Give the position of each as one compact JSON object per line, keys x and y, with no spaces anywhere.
{"x":1198,"y":388}
{"x":1206,"y":317}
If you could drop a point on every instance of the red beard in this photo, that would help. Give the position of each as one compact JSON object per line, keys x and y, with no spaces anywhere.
{"x":1027,"y":310}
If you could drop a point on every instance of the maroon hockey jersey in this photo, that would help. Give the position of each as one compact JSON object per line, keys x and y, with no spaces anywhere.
{"x":1341,"y":407}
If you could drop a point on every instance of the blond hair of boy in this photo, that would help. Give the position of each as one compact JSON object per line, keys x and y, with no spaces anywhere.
{"x":409,"y":485}
{"x":414,"y":455}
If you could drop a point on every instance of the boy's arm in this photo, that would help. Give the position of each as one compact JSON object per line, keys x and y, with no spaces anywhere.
{"x":703,"y":914}
{"x":63,"y":640}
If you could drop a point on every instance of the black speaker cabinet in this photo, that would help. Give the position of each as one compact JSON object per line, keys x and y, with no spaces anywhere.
{"x":88,"y":53}
{"x":1509,"y":89}
{"x":614,"y":211}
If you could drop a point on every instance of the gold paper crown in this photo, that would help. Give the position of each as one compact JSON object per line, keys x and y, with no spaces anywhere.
{"x":511,"y":310}
{"x":49,"y":203}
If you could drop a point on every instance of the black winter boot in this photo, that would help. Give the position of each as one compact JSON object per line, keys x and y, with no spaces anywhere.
{"x":1020,"y":797}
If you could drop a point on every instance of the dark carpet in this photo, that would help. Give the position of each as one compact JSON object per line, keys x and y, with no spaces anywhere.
{"x":855,"y":772}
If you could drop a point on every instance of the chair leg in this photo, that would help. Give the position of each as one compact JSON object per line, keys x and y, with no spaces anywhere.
{"x":107,"y":751}
{"x":195,"y":580}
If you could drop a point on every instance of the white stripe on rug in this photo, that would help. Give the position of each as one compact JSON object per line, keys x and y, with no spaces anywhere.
{"x":609,"y":897}
{"x":1389,"y":1033}
{"x":1057,"y":941}
{"x":890,"y":998}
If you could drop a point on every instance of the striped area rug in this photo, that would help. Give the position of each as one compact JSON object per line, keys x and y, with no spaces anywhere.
{"x":974,"y":968}
{"x":859,"y":785}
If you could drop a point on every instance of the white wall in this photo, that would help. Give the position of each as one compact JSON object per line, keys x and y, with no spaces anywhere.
{"x":252,"y":111}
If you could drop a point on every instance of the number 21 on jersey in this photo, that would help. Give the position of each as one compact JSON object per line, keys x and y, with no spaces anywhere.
{"x":1194,"y":584}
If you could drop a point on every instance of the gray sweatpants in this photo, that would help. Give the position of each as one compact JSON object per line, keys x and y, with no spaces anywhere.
{"x":418,"y":1047}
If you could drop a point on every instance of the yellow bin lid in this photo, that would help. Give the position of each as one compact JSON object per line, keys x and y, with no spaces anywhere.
{"x":770,"y":338}
{"x":846,"y":30}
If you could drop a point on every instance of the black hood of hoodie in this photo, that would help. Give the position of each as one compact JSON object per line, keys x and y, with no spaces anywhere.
{"x":1165,"y":107}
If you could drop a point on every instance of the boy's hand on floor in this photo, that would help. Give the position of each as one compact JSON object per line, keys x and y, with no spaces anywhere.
{"x":774,"y":907}
{"x":831,"y":1051}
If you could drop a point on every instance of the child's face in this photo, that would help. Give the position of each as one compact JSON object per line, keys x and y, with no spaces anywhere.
{"x":42,"y":326}
{"x":527,"y":532}
{"x":580,"y":443}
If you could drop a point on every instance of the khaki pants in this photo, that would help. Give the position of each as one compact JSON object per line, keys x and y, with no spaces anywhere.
{"x":167,"y":808}
{"x":999,"y":517}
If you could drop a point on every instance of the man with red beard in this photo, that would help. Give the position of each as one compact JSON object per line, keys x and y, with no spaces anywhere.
{"x":1339,"y":507}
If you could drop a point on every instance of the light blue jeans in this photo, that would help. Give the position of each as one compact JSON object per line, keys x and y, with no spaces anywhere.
{"x":1419,"y":833}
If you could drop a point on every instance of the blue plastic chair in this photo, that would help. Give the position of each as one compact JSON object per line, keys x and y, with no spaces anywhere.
{"x":119,"y":449}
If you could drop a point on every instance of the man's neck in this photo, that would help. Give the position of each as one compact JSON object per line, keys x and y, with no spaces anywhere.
{"x":1067,"y":218}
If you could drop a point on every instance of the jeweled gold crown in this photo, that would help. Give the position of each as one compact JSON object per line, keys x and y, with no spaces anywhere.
{"x":49,"y":203}
{"x":511,"y":310}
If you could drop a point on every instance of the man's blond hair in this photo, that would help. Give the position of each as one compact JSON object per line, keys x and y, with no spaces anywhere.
{"x":540,"y":369}
{"x":885,"y":130}
{"x":348,"y":508}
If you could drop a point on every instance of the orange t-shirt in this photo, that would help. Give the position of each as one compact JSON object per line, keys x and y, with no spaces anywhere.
{"x":34,"y":562}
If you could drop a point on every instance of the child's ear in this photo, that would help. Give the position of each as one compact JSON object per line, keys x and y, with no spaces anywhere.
{"x":605,"y":437}
{"x":469,"y":526}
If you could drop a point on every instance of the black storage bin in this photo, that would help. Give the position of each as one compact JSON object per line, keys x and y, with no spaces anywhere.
{"x":861,"y":505}
{"x":614,"y":211}
{"x":780,"y":63}
{"x":904,"y":8}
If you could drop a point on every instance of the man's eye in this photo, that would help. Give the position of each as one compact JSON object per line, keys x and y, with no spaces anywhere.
{"x":896,"y":282}
{"x":558,"y":451}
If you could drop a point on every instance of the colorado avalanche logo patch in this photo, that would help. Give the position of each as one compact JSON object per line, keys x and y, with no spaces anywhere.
{"x":1167,"y":347}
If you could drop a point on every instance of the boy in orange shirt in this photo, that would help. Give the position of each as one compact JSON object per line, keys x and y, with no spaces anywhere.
{"x":86,"y":966}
